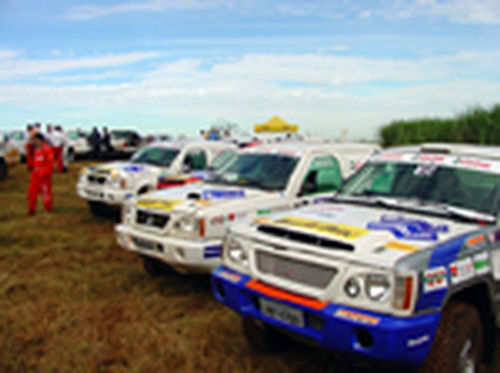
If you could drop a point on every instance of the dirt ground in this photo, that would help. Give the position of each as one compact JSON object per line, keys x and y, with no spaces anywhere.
{"x":71,"y":300}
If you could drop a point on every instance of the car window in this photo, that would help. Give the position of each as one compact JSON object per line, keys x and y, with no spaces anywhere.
{"x":158,"y":156}
{"x":195,"y":160}
{"x":324,"y":175}
{"x":256,"y":170}
{"x":221,"y":159}
{"x":461,"y":187}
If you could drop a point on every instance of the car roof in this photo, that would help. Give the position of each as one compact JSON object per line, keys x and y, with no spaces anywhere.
{"x":303,"y":147}
{"x":485,"y":151}
{"x":203,"y":143}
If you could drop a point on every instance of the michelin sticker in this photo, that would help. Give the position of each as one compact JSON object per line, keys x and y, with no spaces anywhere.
{"x":410,"y":229}
{"x":159,"y":204}
{"x":435,"y":279}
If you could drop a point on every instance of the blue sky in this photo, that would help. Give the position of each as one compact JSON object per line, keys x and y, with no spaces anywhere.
{"x":180,"y":65}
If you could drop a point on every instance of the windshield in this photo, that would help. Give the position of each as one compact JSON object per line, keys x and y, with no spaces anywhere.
{"x":18,"y":136}
{"x":460,"y":187}
{"x":221,"y":159}
{"x":75,"y":135}
{"x":263,"y":171}
{"x":156,"y":156}
{"x":121,"y":134}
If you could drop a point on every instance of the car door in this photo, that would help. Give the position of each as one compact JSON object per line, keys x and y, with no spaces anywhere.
{"x":322,"y":177}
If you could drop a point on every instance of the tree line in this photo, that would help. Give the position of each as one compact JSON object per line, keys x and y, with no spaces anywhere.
{"x":477,"y":125}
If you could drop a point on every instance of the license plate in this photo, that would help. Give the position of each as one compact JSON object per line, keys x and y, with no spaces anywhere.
{"x":282,"y":312}
{"x":93,"y":193}
{"x":143,"y":244}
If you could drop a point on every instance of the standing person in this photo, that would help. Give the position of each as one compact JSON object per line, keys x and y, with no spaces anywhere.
{"x":41,"y":175}
{"x":95,"y":143}
{"x":49,"y":136}
{"x":30,"y":132}
{"x":58,"y":143}
{"x":106,"y":141}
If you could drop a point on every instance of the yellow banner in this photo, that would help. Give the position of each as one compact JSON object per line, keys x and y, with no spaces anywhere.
{"x":159,"y":204}
{"x":346,"y":232}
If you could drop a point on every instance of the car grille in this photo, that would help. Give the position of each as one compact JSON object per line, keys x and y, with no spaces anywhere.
{"x":309,"y":274}
{"x":151,"y":219}
{"x":96,"y":179}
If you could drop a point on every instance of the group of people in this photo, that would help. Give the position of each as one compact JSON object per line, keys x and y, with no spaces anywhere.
{"x":100,"y":143}
{"x":43,"y":152}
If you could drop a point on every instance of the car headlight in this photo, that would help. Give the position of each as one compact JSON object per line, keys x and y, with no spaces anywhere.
{"x":352,"y":287}
{"x":377,"y":286}
{"x":187,"y":224}
{"x":236,"y":253}
{"x":126,"y":212}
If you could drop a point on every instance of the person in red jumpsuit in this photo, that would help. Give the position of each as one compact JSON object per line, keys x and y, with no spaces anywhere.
{"x":41,"y":174}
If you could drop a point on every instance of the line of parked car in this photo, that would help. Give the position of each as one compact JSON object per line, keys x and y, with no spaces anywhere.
{"x":390,"y":256}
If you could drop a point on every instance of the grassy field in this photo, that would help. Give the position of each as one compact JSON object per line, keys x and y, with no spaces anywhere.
{"x":72,"y":301}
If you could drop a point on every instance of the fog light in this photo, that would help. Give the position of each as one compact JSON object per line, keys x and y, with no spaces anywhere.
{"x":180,"y":252}
{"x":364,"y":338}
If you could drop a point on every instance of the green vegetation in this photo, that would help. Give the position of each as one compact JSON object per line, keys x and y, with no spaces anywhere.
{"x":477,"y":126}
{"x":71,"y":300}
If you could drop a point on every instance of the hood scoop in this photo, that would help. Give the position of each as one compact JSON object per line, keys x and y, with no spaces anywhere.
{"x":305,"y":238}
{"x":193,"y":196}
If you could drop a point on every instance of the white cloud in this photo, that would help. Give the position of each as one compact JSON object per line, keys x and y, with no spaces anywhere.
{"x":91,"y":11}
{"x":7,"y":54}
{"x":11,"y":67}
{"x":324,"y":93}
{"x":365,"y":14}
{"x":459,"y":11}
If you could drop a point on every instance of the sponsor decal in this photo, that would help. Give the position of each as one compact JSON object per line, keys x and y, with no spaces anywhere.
{"x":346,"y":232}
{"x":133,"y":168}
{"x":476,"y":240}
{"x":357,"y":317}
{"x":461,"y":270}
{"x":414,"y":342}
{"x":435,"y":279}
{"x":482,"y":263}
{"x":214,"y":251}
{"x":221,"y":219}
{"x":233,"y":277}
{"x":263,"y":212}
{"x":475,"y":163}
{"x":159,"y":204}
{"x":396,"y":245}
{"x":431,"y":158}
{"x":222,"y":194}
{"x":410,"y":229}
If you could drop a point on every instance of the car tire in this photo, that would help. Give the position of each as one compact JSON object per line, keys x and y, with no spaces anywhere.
{"x":458,"y":344}
{"x":154,"y":267}
{"x":262,"y":337}
{"x":3,"y":169}
{"x":96,"y":208}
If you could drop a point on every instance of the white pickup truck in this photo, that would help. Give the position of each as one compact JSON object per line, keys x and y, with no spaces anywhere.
{"x":401,"y":268}
{"x":184,"y":227}
{"x":113,"y":183}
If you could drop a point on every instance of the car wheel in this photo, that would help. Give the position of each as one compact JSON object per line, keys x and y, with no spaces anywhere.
{"x":96,"y":208}
{"x":153,"y":266}
{"x":262,"y":337}
{"x":458,"y":344}
{"x":3,"y":169}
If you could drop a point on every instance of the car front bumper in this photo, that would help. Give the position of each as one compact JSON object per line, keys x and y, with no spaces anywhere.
{"x":103,"y":194}
{"x":396,"y":342}
{"x":183,"y":255}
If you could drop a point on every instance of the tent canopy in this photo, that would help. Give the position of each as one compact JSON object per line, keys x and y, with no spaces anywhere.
{"x":276,"y":124}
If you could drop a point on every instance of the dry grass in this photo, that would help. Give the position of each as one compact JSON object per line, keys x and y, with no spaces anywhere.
{"x":72,"y":301}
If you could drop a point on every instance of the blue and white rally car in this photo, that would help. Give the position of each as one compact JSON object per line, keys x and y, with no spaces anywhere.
{"x":401,"y":268}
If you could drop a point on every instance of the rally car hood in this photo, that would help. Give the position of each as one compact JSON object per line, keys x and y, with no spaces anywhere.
{"x":207,"y":197}
{"x":126,"y":168}
{"x":370,"y":235}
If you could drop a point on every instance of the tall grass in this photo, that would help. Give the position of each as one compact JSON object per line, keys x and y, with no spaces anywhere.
{"x":477,"y":126}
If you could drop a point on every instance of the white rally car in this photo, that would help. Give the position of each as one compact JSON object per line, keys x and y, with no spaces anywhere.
{"x":184,"y":227}
{"x":402,"y":267}
{"x":113,"y":183}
